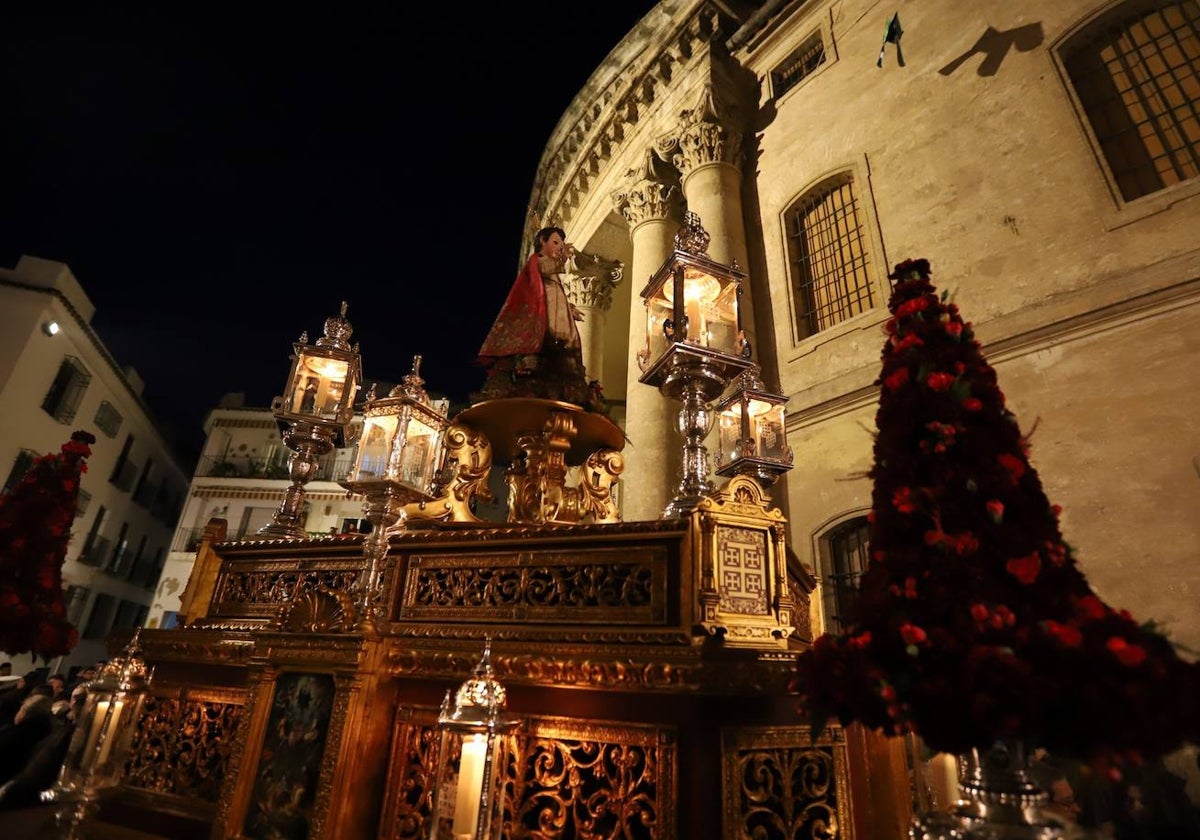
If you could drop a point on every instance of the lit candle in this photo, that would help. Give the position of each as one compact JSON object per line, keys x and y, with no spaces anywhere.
{"x":470,"y":783}
{"x":94,"y":733}
{"x":110,"y":730}
{"x":944,"y":781}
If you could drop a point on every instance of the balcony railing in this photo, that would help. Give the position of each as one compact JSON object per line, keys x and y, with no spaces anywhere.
{"x":242,"y":466}
{"x":96,"y":553}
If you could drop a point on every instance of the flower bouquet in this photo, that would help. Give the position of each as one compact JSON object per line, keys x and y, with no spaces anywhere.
{"x":973,"y":623}
{"x":35,"y":526}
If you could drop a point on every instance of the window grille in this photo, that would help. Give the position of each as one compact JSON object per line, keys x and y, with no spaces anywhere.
{"x":81,"y":504}
{"x":848,"y":546}
{"x":62,"y":400}
{"x":1137,"y":75}
{"x":829,"y":256}
{"x":21,"y":465}
{"x":799,"y":65}
{"x":108,"y":419}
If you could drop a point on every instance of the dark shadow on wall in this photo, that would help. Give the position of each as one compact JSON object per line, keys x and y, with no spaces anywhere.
{"x":994,"y":45}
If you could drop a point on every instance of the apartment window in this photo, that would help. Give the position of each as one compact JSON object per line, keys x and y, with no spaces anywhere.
{"x":82,"y":502}
{"x":129,"y":615}
{"x":799,"y":65}
{"x":124,"y":470}
{"x":108,"y":419}
{"x":1136,"y":72}
{"x":94,"y":545}
{"x":829,"y":256}
{"x":75,"y":601}
{"x":847,"y":559}
{"x":21,"y":465}
{"x":62,"y":400}
{"x":101,"y":619}
{"x":120,"y":552}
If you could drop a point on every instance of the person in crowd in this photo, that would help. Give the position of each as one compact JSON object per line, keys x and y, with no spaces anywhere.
{"x":41,"y":771}
{"x":5,"y":669}
{"x":30,"y":725}
{"x":11,"y":700}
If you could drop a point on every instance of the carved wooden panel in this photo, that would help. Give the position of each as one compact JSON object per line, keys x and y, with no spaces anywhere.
{"x":567,"y":779}
{"x":777,"y":785}
{"x":742,"y":571}
{"x":182,"y":745}
{"x":598,"y":585}
{"x":259,"y":588}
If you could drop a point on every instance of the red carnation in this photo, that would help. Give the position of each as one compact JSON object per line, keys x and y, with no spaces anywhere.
{"x":909,"y":307}
{"x":1067,"y":634}
{"x":1014,"y":465}
{"x":1025,"y":569}
{"x":1127,"y":654}
{"x":971,"y":404}
{"x":939,"y":381}
{"x":903,"y":500}
{"x":1091,"y":608}
{"x":995,"y":509}
{"x":895,"y":380}
{"x":954,"y":329}
{"x":912,"y":634}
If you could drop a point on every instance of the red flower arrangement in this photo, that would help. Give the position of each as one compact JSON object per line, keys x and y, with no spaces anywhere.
{"x":973,"y":623}
{"x":35,"y":526}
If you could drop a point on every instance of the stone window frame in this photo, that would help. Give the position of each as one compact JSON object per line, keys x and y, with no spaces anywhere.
{"x":1127,"y":210}
{"x":779,"y":86}
{"x":877,"y":265}
{"x":823,"y":550}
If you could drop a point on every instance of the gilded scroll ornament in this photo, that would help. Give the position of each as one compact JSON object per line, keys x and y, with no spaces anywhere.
{"x":467,"y":465}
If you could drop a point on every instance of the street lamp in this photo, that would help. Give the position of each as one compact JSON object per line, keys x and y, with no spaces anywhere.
{"x":474,"y":748}
{"x":314,"y":414}
{"x":104,"y":732}
{"x":694,"y":346}
{"x":399,"y":453}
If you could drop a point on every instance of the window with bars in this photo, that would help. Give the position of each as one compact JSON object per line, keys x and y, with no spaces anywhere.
{"x":62,"y":400}
{"x":108,"y":419}
{"x":799,"y":65}
{"x":829,"y":256}
{"x":847,"y":556}
{"x":1136,"y":72}
{"x":21,"y":465}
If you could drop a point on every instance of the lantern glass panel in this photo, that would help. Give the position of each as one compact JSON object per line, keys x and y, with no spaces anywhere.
{"x":768,"y":430}
{"x":319,"y":385}
{"x":730,"y":431}
{"x":102,"y":739}
{"x":374,"y":448}
{"x":710,"y":307}
{"x":418,"y":455}
{"x":659,"y":311}
{"x":469,"y":789}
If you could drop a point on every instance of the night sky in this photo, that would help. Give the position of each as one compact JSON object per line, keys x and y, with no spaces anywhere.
{"x":220,"y":179}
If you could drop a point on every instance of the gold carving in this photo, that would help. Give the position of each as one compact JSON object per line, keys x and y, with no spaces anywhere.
{"x":743,"y":560}
{"x":589,"y":586}
{"x":469,"y":460}
{"x":411,"y":774}
{"x":182,"y":746}
{"x":778,"y":785}
{"x":317,"y":611}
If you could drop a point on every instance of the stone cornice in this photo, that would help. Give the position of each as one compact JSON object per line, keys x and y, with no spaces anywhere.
{"x":611,"y":104}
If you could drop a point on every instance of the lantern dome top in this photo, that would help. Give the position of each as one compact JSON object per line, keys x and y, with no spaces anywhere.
{"x":337,"y":331}
{"x":692,"y":237}
{"x":127,"y":670}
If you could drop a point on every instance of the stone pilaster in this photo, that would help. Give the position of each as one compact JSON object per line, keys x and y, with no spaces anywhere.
{"x":649,"y":202}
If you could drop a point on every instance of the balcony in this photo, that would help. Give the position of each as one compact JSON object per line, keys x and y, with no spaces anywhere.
{"x":242,"y":466}
{"x":96,"y":553}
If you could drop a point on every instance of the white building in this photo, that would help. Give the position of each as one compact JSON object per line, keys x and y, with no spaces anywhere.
{"x":56,"y":376}
{"x":241,"y":477}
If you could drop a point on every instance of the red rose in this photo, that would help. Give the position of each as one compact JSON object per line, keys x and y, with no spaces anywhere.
{"x":910,"y":340}
{"x":903,"y":500}
{"x":912,"y":634}
{"x":897,"y":379}
{"x":971,"y":404}
{"x":979,"y":612}
{"x":939,"y":381}
{"x":1091,"y":608}
{"x":1127,"y":654}
{"x":911,"y":306}
{"x":1014,"y":465}
{"x":1025,"y":569}
{"x":1067,"y":634}
{"x":954,"y":329}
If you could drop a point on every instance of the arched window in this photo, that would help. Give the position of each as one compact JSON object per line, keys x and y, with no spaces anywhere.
{"x":846,"y":558}
{"x":828,"y":245}
{"x":1136,"y":72}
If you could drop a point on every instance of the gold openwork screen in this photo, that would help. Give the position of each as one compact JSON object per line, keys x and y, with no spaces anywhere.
{"x":1137,"y":75}
{"x":847,"y":561}
{"x":829,"y":256}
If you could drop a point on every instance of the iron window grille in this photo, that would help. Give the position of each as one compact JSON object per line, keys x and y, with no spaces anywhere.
{"x":829,"y":256}
{"x":21,"y":465}
{"x":848,"y":553}
{"x":67,"y":389}
{"x":108,"y":419}
{"x":1137,"y":75}
{"x":799,"y":65}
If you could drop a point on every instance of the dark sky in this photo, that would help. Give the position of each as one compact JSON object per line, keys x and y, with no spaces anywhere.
{"x":219,"y":180}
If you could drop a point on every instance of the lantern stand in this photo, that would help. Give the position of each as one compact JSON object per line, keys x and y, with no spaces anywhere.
{"x":695,"y":346}
{"x":753,"y":439}
{"x":473,"y":752}
{"x":104,"y":733}
{"x":399,"y":454}
{"x":315,"y":414}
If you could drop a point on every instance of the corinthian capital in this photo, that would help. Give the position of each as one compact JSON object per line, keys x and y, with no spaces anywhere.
{"x":705,"y":135}
{"x":591,"y":280}
{"x":649,"y":191}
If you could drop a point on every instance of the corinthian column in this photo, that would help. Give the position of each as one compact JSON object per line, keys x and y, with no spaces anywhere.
{"x":649,"y":203}
{"x":589,"y":282}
